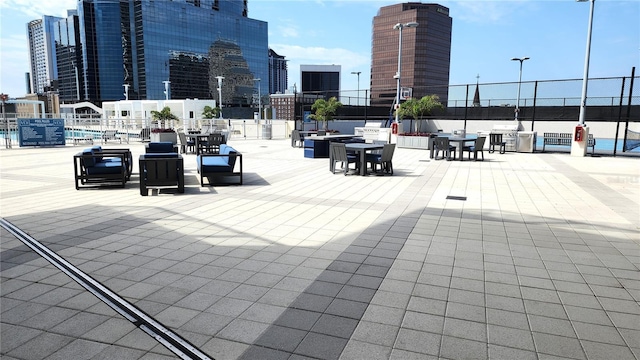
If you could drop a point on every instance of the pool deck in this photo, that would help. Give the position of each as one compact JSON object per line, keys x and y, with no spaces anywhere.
{"x":533,"y":256}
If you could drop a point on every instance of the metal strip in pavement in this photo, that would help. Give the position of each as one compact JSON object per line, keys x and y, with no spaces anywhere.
{"x":172,"y":341}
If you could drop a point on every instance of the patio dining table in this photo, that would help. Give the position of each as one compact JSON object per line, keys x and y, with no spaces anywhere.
{"x":460,"y":143}
{"x":362,"y":149}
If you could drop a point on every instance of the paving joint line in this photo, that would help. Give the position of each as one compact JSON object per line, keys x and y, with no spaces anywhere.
{"x":172,"y":341}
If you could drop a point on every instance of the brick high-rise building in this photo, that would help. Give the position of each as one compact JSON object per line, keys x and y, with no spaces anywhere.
{"x":426,"y":51}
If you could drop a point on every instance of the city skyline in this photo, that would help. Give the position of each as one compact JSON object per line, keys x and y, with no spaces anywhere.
{"x":486,"y":35}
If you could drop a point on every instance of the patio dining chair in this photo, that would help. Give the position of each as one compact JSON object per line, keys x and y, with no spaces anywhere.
{"x":186,"y":144}
{"x":496,"y":140}
{"x":477,"y":146}
{"x":296,"y":139}
{"x":441,"y":143}
{"x":338,"y":153}
{"x":212,"y":144}
{"x":384,"y":159}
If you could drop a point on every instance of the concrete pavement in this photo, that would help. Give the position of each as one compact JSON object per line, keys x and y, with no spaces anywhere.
{"x":522,"y":256}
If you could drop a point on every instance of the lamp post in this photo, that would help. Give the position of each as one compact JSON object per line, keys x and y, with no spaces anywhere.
{"x":358,"y":93}
{"x":259,"y":99}
{"x":583,"y":99}
{"x":522,"y":59}
{"x":220,"y":78}
{"x":400,"y":26}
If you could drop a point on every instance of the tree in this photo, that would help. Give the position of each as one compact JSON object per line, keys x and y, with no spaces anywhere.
{"x":163,"y":115}
{"x":325,"y":110}
{"x":417,"y":109}
{"x":210,"y":113}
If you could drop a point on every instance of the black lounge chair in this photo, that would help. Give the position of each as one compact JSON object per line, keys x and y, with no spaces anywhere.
{"x":158,"y":170}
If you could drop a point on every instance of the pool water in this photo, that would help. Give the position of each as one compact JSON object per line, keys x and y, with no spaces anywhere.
{"x":602,"y":145}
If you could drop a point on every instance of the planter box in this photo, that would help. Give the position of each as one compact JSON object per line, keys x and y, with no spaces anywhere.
{"x":413,"y":142}
{"x":165,"y":137}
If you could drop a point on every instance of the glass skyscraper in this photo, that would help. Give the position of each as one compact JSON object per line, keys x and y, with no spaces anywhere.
{"x":42,"y":54}
{"x":145,"y":43}
{"x":68,"y":58}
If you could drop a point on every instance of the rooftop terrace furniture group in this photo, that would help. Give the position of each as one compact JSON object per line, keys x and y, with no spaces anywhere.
{"x":161,"y":167}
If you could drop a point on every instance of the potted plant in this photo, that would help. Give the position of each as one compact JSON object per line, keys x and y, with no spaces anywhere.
{"x":417,"y":109}
{"x":210,"y":113}
{"x":163,"y":133}
{"x":325,"y":110}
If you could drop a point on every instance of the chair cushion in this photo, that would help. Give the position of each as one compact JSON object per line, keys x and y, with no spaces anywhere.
{"x":226,"y":149}
{"x":374,"y":157}
{"x":160,"y":155}
{"x":160,"y":147}
{"x":101,"y":168}
{"x":211,"y":164}
{"x":88,"y":159}
{"x":97,"y":149}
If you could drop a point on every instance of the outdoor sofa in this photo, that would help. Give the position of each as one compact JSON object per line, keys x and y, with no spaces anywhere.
{"x":96,"y":167}
{"x":218,"y":167}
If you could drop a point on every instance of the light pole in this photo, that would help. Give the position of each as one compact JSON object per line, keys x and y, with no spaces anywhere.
{"x":259,"y":99}
{"x":400,"y":26}
{"x":522,"y":59}
{"x":583,"y":99}
{"x":220,"y":78}
{"x":358,"y":93}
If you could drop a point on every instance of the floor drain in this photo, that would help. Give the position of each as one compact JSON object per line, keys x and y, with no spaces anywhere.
{"x":451,"y":197}
{"x":424,"y":160}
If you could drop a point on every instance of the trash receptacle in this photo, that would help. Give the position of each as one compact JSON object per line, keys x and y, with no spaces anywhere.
{"x":266,"y":131}
{"x":526,"y":141}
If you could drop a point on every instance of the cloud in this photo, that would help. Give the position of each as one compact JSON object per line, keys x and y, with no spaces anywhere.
{"x":288,"y":31}
{"x":315,"y":55}
{"x":321,"y":55}
{"x":37,"y":8}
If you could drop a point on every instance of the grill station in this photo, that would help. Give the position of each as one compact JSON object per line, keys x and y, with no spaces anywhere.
{"x":509,"y":135}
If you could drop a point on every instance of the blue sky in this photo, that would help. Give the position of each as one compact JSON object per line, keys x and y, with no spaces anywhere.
{"x":486,"y":35}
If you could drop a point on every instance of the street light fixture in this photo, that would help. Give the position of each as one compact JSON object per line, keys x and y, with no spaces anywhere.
{"x":220,"y":78}
{"x":400,"y":26}
{"x":583,"y":99}
{"x":522,"y":59}
{"x":358,"y":93}
{"x":259,"y":99}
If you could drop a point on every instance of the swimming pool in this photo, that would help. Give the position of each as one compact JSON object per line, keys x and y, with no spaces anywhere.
{"x":70,"y":134}
{"x":602,"y":146}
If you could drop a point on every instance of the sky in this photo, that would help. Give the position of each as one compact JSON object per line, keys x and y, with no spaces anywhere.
{"x":485,"y":36}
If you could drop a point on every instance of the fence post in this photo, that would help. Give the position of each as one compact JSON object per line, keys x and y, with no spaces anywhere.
{"x":535,"y":101}
{"x":626,"y":128}
{"x":615,"y":140}
{"x":466,"y":106}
